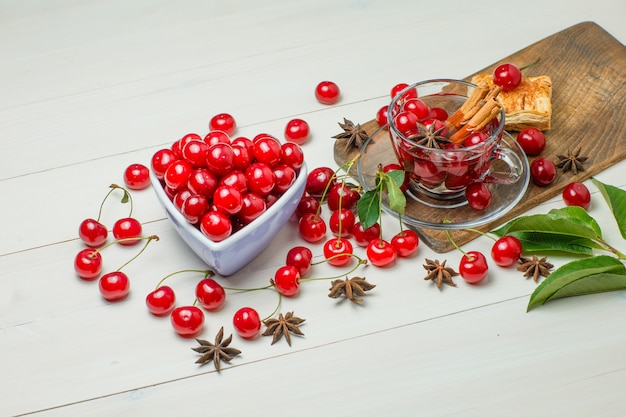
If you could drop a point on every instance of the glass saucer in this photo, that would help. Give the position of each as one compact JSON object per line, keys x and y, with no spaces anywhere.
{"x":424,"y":212}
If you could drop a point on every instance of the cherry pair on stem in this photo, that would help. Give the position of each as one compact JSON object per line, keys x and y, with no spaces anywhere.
{"x":94,"y":234}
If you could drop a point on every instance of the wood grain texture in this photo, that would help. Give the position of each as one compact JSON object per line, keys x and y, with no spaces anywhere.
{"x":588,"y":70}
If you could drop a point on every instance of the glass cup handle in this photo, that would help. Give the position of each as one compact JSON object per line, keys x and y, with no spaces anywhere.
{"x":512,"y":161}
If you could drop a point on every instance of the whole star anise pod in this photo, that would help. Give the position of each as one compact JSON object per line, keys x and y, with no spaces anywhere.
{"x":429,"y":137}
{"x":283,"y":326}
{"x":354,"y":135}
{"x":572,"y":162}
{"x":216,"y":352}
{"x":439,"y":273}
{"x":534,"y":267}
{"x":352,"y":288}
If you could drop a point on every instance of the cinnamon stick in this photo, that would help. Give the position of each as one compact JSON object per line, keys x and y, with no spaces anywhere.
{"x":483,"y":116}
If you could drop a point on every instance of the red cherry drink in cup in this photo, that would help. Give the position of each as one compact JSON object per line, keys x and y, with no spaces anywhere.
{"x":437,"y":166}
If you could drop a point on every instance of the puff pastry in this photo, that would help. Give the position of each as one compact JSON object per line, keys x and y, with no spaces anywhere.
{"x":529,"y":105}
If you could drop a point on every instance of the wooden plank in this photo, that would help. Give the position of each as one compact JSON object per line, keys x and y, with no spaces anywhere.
{"x":588,"y":70}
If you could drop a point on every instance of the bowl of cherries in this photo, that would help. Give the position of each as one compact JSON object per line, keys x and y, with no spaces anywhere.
{"x":228,"y":198}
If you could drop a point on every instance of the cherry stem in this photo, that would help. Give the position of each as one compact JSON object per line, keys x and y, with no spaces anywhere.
{"x":354,"y":268}
{"x":280,"y":301}
{"x":455,"y":244}
{"x":148,"y":240}
{"x":530,"y":65}
{"x":127,"y":239}
{"x":346,"y":167}
{"x":482,"y":233}
{"x":207,"y":273}
{"x":126,"y":197}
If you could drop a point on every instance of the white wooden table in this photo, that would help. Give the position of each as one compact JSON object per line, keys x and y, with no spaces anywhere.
{"x":88,"y":87}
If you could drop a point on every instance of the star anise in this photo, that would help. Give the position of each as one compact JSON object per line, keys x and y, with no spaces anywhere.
{"x":439,"y":273}
{"x":216,"y":352}
{"x":282,"y":326}
{"x":535,"y":267}
{"x":352,"y":288}
{"x":429,"y":137}
{"x":572,"y":162}
{"x":354,"y":135}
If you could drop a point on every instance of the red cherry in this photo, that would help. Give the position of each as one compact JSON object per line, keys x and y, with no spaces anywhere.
{"x":473,"y":267}
{"x":177,"y":174}
{"x":319,"y":180}
{"x":297,"y":131}
{"x":216,"y":225}
{"x":532,"y":141}
{"x":253,"y":205}
{"x":88,"y":264}
{"x":364,"y":237}
{"x":576,"y":194}
{"x":187,"y":321}
{"x":195,"y":152}
{"x":292,"y":155}
{"x":417,"y":107}
{"x":216,"y":136}
{"x":247,"y":322}
{"x":127,"y":228}
{"x":338,"y":251}
{"x":507,"y":76}
{"x":114,"y":286}
{"x":506,"y":251}
{"x":478,"y":195}
{"x":220,"y":159}
{"x":406,"y":123}
{"x":342,"y":195}
{"x":405,"y":243}
{"x":381,"y":115}
{"x":327,"y":92}
{"x":284,"y":177}
{"x":210,"y":294}
{"x":300,"y":257}
{"x":475,"y":138}
{"x":161,"y":301}
{"x":224,"y":122}
{"x":306,"y":205}
{"x":267,"y":150}
{"x":381,"y":253}
{"x":311,"y":227}
{"x":162,"y":159}
{"x":227,"y":199}
{"x":287,"y":280}
{"x":203,"y":182}
{"x":194,"y":207}
{"x":542,"y":171}
{"x":137,"y":177}
{"x":341,"y":222}
{"x":438,"y":113}
{"x":398,"y":88}
{"x":235,"y":179}
{"x":260,"y":178}
{"x":93,"y":233}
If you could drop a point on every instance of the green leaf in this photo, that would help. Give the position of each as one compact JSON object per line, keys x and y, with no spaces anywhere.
{"x":368,"y":208}
{"x":616,"y":199}
{"x":577,"y":215}
{"x":543,"y":242}
{"x":579,"y":277}
{"x":397,"y":176}
{"x":555,"y":223}
{"x":397,"y":200}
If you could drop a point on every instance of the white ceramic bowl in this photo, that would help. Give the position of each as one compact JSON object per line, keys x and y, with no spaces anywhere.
{"x":233,"y":253}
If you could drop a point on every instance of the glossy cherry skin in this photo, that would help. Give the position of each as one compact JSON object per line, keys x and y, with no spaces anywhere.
{"x":93,"y":233}
{"x":473,"y":267}
{"x":88,"y":264}
{"x":127,"y":228}
{"x":338,"y":251}
{"x":319,"y":180}
{"x":508,"y":76}
{"x":301,"y":258}
{"x":506,"y":251}
{"x":342,"y":195}
{"x":114,"y":286}
{"x":341,"y":222}
{"x":137,"y":177}
{"x":478,"y":195}
{"x":224,"y":122}
{"x":210,"y":294}
{"x":327,"y":92}
{"x":381,"y":253}
{"x":363,"y":237}
{"x":532,"y":141}
{"x":577,"y":194}
{"x":162,"y":159}
{"x":187,"y":321}
{"x":247,"y":322}
{"x":542,"y":171}
{"x":405,"y":242}
{"x":312,"y":228}
{"x":161,"y":301}
{"x":287,"y":280}
{"x":297,"y":131}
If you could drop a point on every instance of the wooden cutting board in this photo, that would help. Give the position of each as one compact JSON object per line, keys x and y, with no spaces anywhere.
{"x":588,"y":70}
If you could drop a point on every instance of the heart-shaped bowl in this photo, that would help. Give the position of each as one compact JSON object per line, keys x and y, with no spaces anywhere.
{"x":233,"y":253}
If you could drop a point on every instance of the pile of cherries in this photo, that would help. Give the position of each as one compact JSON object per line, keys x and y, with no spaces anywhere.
{"x":221,"y":184}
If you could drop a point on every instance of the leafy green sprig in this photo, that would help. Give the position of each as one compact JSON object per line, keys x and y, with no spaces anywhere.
{"x":369,"y":207}
{"x":572,"y":231}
